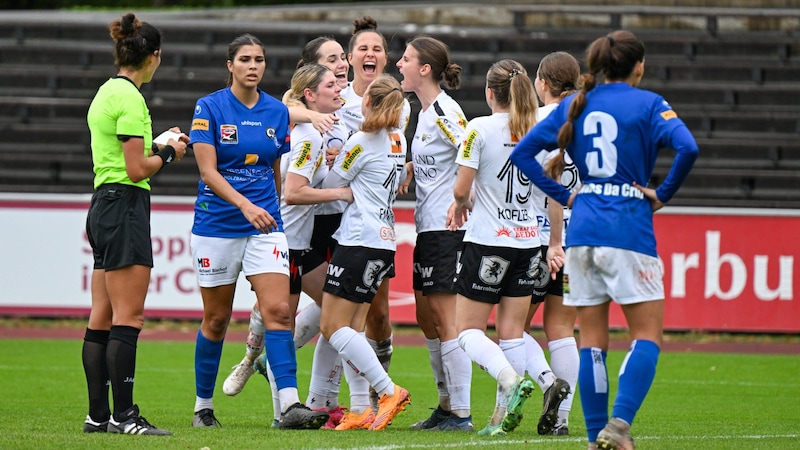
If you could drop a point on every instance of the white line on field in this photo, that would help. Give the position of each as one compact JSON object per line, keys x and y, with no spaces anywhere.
{"x":495,"y":442}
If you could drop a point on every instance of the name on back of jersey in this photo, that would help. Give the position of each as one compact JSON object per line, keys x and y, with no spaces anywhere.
{"x":612,"y":190}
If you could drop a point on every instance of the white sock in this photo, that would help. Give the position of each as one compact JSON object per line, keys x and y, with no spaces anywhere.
{"x":255,"y":335}
{"x":458,"y":377}
{"x":383,"y":350}
{"x":276,"y":398}
{"x":536,"y":365}
{"x":486,"y":354}
{"x":359,"y":389}
{"x":514,"y":350}
{"x":356,"y":353}
{"x":306,"y":324}
{"x":277,"y":408}
{"x":435,"y":356}
{"x":289,"y":397}
{"x":326,"y":371}
{"x":203,"y":403}
{"x":565,"y":361}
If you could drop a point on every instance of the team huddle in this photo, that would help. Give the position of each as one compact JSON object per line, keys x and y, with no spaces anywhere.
{"x":298,"y":194}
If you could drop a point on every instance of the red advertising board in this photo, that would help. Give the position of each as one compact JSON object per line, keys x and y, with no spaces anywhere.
{"x":725,"y":270}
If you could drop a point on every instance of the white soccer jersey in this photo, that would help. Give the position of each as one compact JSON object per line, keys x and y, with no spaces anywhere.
{"x":440,"y":130}
{"x":351,"y":115}
{"x":502,"y":209}
{"x":373,"y":164}
{"x":333,"y":138}
{"x":306,"y":158}
{"x":569,"y":179}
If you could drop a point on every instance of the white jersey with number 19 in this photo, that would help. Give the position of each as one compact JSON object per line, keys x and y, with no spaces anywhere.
{"x":502,"y":215}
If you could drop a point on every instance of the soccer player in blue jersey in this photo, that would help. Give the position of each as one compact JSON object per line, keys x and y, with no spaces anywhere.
{"x":239,"y":134}
{"x":612,"y":131}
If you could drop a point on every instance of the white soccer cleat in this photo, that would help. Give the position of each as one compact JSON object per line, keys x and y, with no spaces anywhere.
{"x":238,"y":377}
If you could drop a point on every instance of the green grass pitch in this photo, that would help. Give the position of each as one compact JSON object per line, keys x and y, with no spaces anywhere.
{"x":698,"y":400}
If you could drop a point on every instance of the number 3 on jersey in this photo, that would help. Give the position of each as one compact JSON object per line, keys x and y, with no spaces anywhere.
{"x":601,"y":160}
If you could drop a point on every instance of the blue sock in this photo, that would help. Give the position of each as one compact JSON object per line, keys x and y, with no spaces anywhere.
{"x":280,"y":349}
{"x":593,"y":386}
{"x":635,"y":377}
{"x":207,"y":354}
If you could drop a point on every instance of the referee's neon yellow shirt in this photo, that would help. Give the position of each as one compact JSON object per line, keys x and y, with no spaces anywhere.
{"x":117,"y":109}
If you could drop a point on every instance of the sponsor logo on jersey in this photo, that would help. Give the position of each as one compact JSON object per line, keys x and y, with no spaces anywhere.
{"x":251,"y":123}
{"x":198,"y":109}
{"x":526,"y":232}
{"x":335,"y":142}
{"x":228,"y":134}
{"x":200,"y":124}
{"x":304,"y":156}
{"x":443,"y":125}
{"x":352,"y":114}
{"x":503,"y":231}
{"x":318,"y":163}
{"x":492,"y":269}
{"x":350,"y":157}
{"x":669,"y":115}
{"x":250,"y":159}
{"x":425,"y":138}
{"x":462,"y":121}
{"x":387,"y":234}
{"x":466,"y":151}
{"x":397,"y":144}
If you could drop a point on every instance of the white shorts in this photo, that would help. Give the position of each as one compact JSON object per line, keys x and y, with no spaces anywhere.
{"x":595,"y":275}
{"x":218,"y":261}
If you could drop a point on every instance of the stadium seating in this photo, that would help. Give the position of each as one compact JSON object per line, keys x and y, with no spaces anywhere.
{"x":737,"y":91}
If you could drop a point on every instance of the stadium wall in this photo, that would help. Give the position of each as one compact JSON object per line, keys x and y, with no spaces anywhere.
{"x":725,"y":269}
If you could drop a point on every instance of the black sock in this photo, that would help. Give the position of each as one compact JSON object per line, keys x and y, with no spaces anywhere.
{"x":94,"y":366}
{"x":121,"y":360}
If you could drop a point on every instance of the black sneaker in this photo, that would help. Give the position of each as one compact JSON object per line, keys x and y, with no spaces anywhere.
{"x":135,"y":424}
{"x":301,"y":417}
{"x":553,"y":397}
{"x":437,"y":416}
{"x":90,"y":426}
{"x":205,"y":419}
{"x":455,"y":423}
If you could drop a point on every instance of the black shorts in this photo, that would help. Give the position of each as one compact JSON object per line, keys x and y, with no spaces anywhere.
{"x":550,"y":287}
{"x":355,"y":273}
{"x":296,"y":271}
{"x":118,"y":227}
{"x":322,"y":244}
{"x":435,"y":259}
{"x":488,"y":273}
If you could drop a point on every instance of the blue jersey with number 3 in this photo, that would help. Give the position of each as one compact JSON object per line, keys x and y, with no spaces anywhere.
{"x":615,"y":143}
